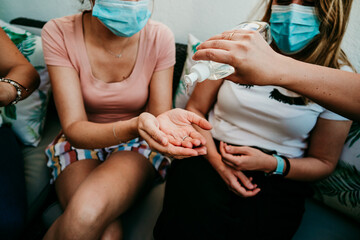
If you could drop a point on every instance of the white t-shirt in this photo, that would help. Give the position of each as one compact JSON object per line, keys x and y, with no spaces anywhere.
{"x":262,"y":116}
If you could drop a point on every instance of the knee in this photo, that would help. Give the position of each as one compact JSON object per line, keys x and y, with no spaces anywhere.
{"x":87,"y":215}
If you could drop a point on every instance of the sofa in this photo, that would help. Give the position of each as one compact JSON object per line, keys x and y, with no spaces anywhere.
{"x":319,"y":221}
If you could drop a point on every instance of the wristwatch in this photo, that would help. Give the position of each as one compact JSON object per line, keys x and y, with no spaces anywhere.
{"x":280,"y":165}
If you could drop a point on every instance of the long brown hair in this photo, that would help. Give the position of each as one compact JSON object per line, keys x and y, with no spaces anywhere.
{"x":325,"y":48}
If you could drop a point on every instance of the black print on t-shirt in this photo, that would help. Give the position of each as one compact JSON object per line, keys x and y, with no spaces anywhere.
{"x":245,"y":85}
{"x":278,"y":96}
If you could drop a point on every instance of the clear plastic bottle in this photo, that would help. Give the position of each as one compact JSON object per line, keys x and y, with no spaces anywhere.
{"x":203,"y":70}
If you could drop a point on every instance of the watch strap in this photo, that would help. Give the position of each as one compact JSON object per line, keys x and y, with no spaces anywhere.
{"x":280,"y":165}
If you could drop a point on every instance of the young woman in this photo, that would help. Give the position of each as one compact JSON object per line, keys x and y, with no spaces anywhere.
{"x":247,"y":50}
{"x":266,"y":141}
{"x":107,"y":67}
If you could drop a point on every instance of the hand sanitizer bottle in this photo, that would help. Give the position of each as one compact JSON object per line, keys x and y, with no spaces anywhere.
{"x":203,"y":70}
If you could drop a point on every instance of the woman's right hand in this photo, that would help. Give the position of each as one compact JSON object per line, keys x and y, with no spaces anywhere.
{"x":255,"y":62}
{"x":236,"y":180}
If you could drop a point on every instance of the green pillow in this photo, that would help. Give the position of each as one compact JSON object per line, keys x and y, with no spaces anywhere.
{"x":341,"y":190}
{"x":27,"y":117}
{"x":181,"y":97}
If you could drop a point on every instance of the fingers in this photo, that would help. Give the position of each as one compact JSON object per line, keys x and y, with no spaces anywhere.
{"x":232,"y":35}
{"x":150,"y":125}
{"x":175,"y":141}
{"x":244,"y":180}
{"x":172,"y":150}
{"x":216,"y":44}
{"x":216,"y":55}
{"x":198,"y":139}
{"x":236,"y":150}
{"x":201,"y":122}
{"x":240,"y":190}
{"x":200,"y":151}
{"x":229,"y":159}
{"x":181,"y":152}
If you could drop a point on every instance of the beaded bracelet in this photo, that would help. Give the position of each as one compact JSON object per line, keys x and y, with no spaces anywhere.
{"x":17,"y":87}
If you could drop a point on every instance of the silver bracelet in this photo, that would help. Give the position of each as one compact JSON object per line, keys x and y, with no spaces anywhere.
{"x":115,"y":136}
{"x":17,"y":87}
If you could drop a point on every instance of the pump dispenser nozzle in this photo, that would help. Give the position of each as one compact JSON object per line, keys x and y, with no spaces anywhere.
{"x":190,"y":79}
{"x":199,"y":72}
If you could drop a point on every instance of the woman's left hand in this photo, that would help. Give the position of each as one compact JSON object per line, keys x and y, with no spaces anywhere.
{"x":246,"y":158}
{"x":149,"y":128}
{"x":177,"y":125}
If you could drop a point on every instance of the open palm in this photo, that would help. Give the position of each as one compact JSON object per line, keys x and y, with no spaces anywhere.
{"x":177,"y":125}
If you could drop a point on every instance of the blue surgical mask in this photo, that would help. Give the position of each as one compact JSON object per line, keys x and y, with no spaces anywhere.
{"x":293,"y":26}
{"x":123,"y":18}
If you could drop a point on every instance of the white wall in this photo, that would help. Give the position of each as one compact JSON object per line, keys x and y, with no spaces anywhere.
{"x":203,"y":18}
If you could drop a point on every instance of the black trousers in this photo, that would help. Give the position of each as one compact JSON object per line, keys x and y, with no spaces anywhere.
{"x":12,"y":186}
{"x":198,"y":205}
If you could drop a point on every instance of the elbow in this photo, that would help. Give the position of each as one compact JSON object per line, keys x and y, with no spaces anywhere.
{"x":35,"y":79}
{"x":328,"y":168}
{"x":72,"y":137}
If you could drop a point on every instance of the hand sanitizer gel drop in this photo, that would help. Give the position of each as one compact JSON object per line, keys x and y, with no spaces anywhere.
{"x":203,"y":70}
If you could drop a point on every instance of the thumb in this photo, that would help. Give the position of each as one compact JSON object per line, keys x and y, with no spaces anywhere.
{"x":235,"y":78}
{"x":201,"y":122}
{"x":235,"y":150}
{"x":153,"y":130}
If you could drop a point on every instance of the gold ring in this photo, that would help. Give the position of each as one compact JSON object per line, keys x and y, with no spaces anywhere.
{"x":231,"y":35}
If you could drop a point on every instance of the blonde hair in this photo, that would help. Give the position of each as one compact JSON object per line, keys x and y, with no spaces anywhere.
{"x":325,"y":48}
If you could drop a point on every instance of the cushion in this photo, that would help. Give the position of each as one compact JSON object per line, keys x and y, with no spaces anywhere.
{"x":341,"y":190}
{"x":27,"y":117}
{"x":181,"y":97}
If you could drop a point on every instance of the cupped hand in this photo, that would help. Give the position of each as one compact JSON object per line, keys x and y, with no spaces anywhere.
{"x":149,"y":130}
{"x":177,"y":125}
{"x":246,"y":158}
{"x":255,"y":62}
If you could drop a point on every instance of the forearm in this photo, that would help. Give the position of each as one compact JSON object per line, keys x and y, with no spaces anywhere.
{"x":334,"y":89}
{"x":212,"y":153}
{"x":26,"y":76}
{"x":89,"y":135}
{"x":309,"y":169}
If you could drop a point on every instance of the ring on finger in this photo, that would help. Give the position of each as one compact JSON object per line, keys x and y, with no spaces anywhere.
{"x":231,"y":35}
{"x":184,"y":137}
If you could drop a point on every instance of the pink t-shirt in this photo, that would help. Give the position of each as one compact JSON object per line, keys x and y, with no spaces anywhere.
{"x":63,"y":45}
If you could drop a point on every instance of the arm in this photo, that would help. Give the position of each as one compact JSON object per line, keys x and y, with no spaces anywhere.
{"x":80,"y":132}
{"x":202,"y":99}
{"x":257,"y":63}
{"x":14,"y":66}
{"x":326,"y":142}
{"x":334,"y":89}
{"x":160,"y":92}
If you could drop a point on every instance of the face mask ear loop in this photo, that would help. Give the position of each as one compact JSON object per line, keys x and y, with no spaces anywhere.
{"x":152,"y":7}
